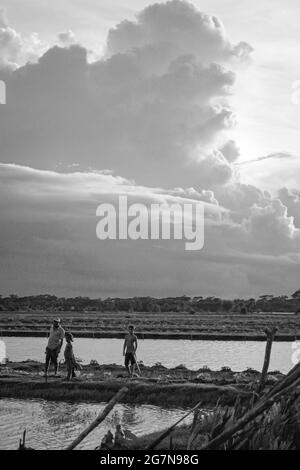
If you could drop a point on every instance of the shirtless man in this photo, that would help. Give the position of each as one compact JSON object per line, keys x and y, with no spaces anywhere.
{"x":129,"y":349}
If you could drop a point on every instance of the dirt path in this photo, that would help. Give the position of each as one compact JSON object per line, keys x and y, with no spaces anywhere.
{"x":158,"y":385}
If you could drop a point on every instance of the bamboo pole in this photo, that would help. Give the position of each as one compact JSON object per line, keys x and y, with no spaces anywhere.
{"x":137,"y":365}
{"x":270,"y":338}
{"x":289,"y":379}
{"x":259,"y":408}
{"x":170,"y":429}
{"x":286,"y":384}
{"x":99,"y":418}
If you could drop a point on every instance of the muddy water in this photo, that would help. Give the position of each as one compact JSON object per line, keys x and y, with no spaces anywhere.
{"x":193,"y":354}
{"x":53,"y":425}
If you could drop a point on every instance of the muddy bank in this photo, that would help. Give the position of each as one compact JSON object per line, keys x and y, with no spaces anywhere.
{"x":177,"y":387}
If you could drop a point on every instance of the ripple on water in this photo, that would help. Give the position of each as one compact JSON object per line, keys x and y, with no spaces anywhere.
{"x":53,"y":425}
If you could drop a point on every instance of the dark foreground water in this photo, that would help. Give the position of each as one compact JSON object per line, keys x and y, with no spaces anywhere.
{"x":53,"y":425}
{"x":193,"y":354}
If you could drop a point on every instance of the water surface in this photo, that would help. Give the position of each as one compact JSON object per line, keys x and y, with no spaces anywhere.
{"x":54,"y":425}
{"x":238,"y":355}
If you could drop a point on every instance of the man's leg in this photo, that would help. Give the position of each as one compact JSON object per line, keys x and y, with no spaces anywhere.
{"x":55,"y":361}
{"x":69,"y":368}
{"x":127,"y":364}
{"x":48,"y":357}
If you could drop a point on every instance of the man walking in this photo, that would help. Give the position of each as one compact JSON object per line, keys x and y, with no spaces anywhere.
{"x":54,"y":345}
{"x":129,"y":350}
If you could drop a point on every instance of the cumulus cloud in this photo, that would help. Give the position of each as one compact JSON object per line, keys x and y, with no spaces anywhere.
{"x":67,"y":38}
{"x":192,"y":193}
{"x":271,"y":229}
{"x":176,"y":28}
{"x":10,"y":43}
{"x":230,"y":151}
{"x":240,"y":198}
{"x":50,"y":217}
{"x":291,"y":199}
{"x":155,"y":109}
{"x":48,"y":241}
{"x":16,"y":49}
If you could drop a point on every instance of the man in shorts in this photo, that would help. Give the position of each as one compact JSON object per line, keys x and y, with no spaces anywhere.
{"x":54,"y":345}
{"x":129,"y":350}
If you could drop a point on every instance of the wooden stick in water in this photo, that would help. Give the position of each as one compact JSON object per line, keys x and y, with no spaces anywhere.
{"x":257,"y":410}
{"x":121,"y":393}
{"x":270,"y":337}
{"x":137,"y":365}
{"x":170,"y":429}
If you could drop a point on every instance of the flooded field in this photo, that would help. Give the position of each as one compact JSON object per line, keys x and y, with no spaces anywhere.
{"x":238,"y":355}
{"x":53,"y":425}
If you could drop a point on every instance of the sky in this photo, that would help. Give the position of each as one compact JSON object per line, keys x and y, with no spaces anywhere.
{"x":160,"y":101}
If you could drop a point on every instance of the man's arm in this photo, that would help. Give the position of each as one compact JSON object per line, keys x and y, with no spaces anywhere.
{"x":135,"y":344}
{"x":62,"y":335}
{"x":124,"y":346}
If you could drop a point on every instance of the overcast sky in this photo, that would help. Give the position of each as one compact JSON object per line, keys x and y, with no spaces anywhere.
{"x":159,"y":101}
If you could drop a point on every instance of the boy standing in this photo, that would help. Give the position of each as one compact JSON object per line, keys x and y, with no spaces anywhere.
{"x":129,"y":350}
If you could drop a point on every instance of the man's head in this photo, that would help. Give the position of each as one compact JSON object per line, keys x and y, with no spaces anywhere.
{"x":56,"y":323}
{"x":131,"y":329}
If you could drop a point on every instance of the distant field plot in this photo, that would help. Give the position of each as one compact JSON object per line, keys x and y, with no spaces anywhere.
{"x":152,"y":325}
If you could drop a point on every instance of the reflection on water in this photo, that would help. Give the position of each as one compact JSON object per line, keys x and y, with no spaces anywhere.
{"x":53,"y":425}
{"x":194,"y":354}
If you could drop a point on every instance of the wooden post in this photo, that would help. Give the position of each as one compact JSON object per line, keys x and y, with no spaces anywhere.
{"x":270,"y":338}
{"x":99,"y":418}
{"x":22,"y":444}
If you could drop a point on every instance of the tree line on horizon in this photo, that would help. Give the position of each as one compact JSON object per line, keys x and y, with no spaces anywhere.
{"x":48,"y":302}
